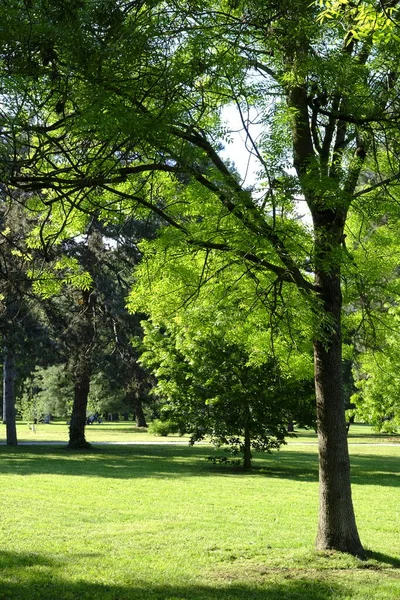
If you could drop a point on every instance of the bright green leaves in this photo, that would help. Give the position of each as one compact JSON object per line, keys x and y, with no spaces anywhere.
{"x":199,"y":291}
{"x":378,"y":384}
{"x":373,"y":258}
{"x":369,"y":20}
{"x":173,"y":274}
{"x":372,"y":289}
{"x":139,"y":91}
{"x":65,"y":271}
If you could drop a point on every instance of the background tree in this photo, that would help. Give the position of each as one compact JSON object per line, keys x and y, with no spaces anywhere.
{"x":377,"y":397}
{"x":47,"y":391}
{"x":119,"y":359}
{"x":18,"y":323}
{"x":371,"y":314}
{"x":91,"y":326}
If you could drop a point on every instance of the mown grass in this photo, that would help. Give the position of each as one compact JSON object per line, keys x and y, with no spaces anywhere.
{"x":162,"y":523}
{"x":125,"y":432}
{"x":57,"y":431}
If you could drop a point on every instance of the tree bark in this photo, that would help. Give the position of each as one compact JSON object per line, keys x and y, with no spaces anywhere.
{"x":9,"y":397}
{"x":139,"y":414}
{"x":337,"y":528}
{"x":3,"y":416}
{"x":247,"y":449}
{"x":78,"y":418}
{"x":81,"y":368}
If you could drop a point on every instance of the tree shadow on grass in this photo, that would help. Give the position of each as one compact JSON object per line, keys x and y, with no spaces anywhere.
{"x":168,"y":462}
{"x":129,"y":462}
{"x":370,"y":469}
{"x":36,"y":577}
{"x":391,"y":561}
{"x":14,"y":561}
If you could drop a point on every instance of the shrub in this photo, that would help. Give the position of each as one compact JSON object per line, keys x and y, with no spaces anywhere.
{"x":163,"y":428}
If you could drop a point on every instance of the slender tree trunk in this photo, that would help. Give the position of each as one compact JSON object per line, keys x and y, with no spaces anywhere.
{"x":9,"y":397}
{"x":78,"y":418}
{"x":4,"y":397}
{"x":337,"y":528}
{"x":247,"y":456}
{"x":81,"y":368}
{"x":140,"y":418}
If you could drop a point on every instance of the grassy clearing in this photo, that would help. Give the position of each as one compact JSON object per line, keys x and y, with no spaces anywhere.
{"x":127,"y":432}
{"x":105,"y":432}
{"x":161,"y":523}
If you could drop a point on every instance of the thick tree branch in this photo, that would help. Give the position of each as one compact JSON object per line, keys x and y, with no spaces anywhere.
{"x":52,"y":181}
{"x":161,"y":213}
{"x":303,"y":148}
{"x":259,"y":66}
{"x":377,"y":185}
{"x":348,"y":118}
{"x":281,"y":272}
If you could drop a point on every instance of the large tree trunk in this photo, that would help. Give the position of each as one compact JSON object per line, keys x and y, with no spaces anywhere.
{"x":337,"y":528}
{"x":78,"y":418}
{"x":9,"y":396}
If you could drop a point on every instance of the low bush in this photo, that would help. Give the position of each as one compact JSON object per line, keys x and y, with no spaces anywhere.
{"x":163,"y":428}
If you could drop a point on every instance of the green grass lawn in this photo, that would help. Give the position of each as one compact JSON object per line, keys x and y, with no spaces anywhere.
{"x":162,"y":523}
{"x":57,"y":431}
{"x":127,"y":432}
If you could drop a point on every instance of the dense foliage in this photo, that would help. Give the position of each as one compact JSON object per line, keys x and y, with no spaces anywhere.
{"x":210,"y":387}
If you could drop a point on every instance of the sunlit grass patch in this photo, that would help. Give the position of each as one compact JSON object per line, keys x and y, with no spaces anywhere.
{"x":57,"y":431}
{"x":127,"y":432}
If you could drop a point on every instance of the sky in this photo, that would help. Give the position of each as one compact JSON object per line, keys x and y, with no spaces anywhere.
{"x":236,"y":151}
{"x":245,"y":162}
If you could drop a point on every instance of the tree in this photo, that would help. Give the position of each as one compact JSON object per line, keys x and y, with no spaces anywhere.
{"x":71,"y":319}
{"x":15,"y":317}
{"x":327,"y":97}
{"x":118,"y":363}
{"x":208,"y":385}
{"x":91,"y":326}
{"x":47,"y":391}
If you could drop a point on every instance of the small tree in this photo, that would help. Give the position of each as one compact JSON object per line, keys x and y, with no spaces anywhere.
{"x":210,"y":387}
